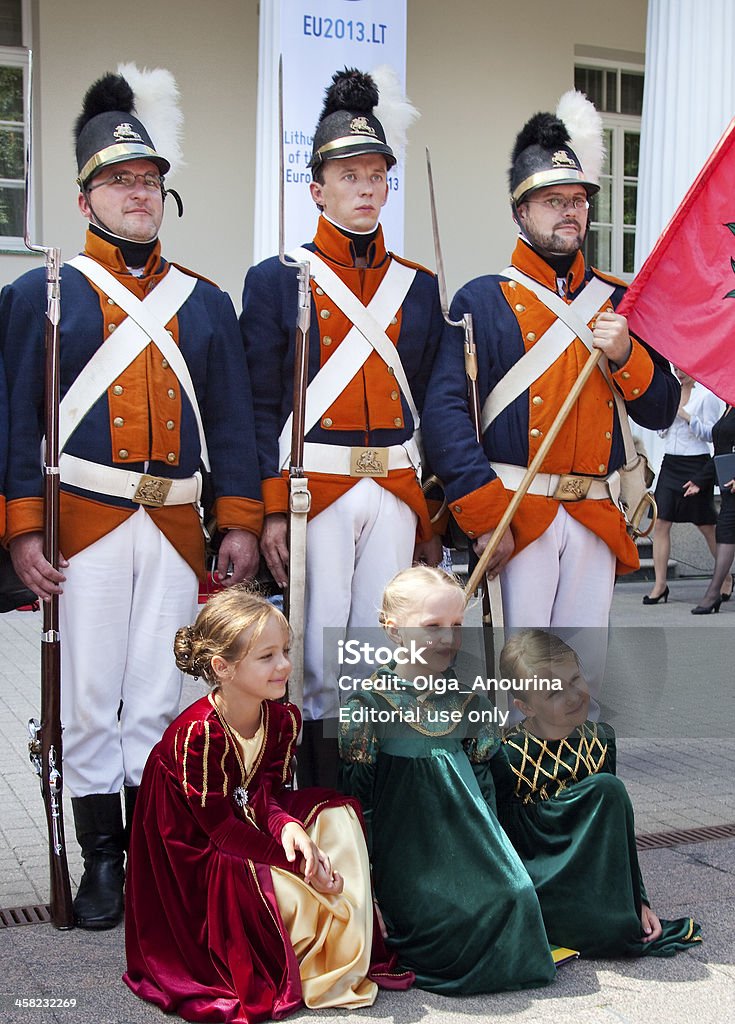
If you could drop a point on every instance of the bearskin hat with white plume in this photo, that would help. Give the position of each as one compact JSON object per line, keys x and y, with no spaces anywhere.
{"x":363,"y":113}
{"x":565,"y":148}
{"x":130,"y":115}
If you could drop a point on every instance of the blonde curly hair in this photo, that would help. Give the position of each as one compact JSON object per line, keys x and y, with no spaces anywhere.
{"x":228,"y":625}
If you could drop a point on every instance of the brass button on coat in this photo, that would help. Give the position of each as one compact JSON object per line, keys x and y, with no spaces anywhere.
{"x":171,"y":456}
{"x":327,"y":422}
{"x":520,"y":308}
{"x":118,"y":421}
{"x":394,"y":395}
{"x":319,"y":291}
{"x":171,"y":393}
{"x":325,"y":314}
{"x":111,"y":327}
{"x":164,"y":364}
{"x":601,"y":468}
{"x":531,"y":336}
{"x":170,"y":424}
{"x":537,"y":400}
{"x":397,"y":421}
{"x":117,"y":390}
{"x":123,"y":453}
{"x":535,"y":432}
{"x":326,"y":340}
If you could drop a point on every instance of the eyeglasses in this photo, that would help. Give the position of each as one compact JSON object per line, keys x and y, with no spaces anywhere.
{"x":557,"y":203}
{"x":126,"y":179}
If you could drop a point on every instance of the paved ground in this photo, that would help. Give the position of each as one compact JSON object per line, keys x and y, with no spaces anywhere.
{"x":672,"y":700}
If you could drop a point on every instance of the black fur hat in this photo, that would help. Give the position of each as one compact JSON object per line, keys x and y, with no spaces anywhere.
{"x":543,"y":156}
{"x":347,"y":125}
{"x":107,"y":131}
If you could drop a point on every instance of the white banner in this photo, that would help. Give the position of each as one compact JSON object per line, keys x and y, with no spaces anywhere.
{"x":316,"y":38}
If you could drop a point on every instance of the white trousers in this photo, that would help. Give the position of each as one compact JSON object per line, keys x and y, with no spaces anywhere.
{"x":564,"y":581}
{"x":124,"y":598}
{"x":353,"y":548}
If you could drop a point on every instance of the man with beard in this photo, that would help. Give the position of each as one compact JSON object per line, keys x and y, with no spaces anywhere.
{"x":557,"y":562}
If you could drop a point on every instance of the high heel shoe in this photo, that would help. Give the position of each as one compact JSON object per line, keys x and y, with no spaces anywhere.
{"x":726,"y":597}
{"x":707,"y":609}
{"x":663,"y":596}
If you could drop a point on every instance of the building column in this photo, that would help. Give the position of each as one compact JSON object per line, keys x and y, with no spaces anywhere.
{"x":688,"y":101}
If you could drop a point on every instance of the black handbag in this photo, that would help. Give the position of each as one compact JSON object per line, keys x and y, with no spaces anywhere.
{"x":13,"y":593}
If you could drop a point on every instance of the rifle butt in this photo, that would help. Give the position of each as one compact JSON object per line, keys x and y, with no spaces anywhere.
{"x":52,"y":784}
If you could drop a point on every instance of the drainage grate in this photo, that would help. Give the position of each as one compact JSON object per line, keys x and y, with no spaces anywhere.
{"x":39,"y":914}
{"x":659,"y":840}
{"x":16,"y":916}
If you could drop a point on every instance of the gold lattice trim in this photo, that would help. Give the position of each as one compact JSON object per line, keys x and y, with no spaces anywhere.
{"x":549,"y":766}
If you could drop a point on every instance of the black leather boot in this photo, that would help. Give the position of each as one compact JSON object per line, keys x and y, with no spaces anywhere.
{"x":130,"y":796}
{"x":317,"y":756}
{"x":100,"y":833}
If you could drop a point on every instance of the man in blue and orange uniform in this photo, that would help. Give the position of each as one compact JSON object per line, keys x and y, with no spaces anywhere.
{"x":361,"y":453}
{"x":557,"y":562}
{"x":141,"y":406}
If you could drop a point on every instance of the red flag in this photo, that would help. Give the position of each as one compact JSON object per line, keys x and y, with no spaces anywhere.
{"x":682,"y":301}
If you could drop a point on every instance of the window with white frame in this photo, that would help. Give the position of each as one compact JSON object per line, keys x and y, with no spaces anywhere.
{"x":14,"y":16}
{"x":617,"y":92}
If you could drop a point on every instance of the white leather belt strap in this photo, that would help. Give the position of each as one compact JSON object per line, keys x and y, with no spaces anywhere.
{"x":569,"y":314}
{"x":366,"y":335}
{"x":549,"y":347}
{"x":547,"y":484}
{"x":145,"y":322}
{"x":335,"y":458}
{"x":123,"y":483}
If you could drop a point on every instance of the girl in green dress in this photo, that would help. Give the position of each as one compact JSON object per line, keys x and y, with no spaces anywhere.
{"x":459,"y":907}
{"x":569,"y":817}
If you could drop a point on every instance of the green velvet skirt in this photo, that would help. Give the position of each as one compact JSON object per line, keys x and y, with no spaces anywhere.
{"x":579,"y":849}
{"x":459,"y":906}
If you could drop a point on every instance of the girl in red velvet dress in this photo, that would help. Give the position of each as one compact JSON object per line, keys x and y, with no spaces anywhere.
{"x":245,"y":900}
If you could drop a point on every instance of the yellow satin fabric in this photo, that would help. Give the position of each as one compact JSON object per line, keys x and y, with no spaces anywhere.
{"x":331,"y":935}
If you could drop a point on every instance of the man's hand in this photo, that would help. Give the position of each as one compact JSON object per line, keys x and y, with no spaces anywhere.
{"x":26,"y":553}
{"x":501,"y":555}
{"x":274,"y":545}
{"x":428,"y":552}
{"x":610,"y":334}
{"x":239,"y":548}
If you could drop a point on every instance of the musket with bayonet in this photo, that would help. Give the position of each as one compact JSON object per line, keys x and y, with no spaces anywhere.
{"x":470,"y":359}
{"x":299,"y":501}
{"x":45,"y":742}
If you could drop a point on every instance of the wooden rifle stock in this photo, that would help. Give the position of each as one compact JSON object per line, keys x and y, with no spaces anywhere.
{"x":45,"y":746}
{"x":298,"y":484}
{"x":45,"y":743}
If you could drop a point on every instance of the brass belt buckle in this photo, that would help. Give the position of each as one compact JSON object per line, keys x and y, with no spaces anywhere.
{"x":572,"y":488}
{"x":152,"y":491}
{"x":368,"y":462}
